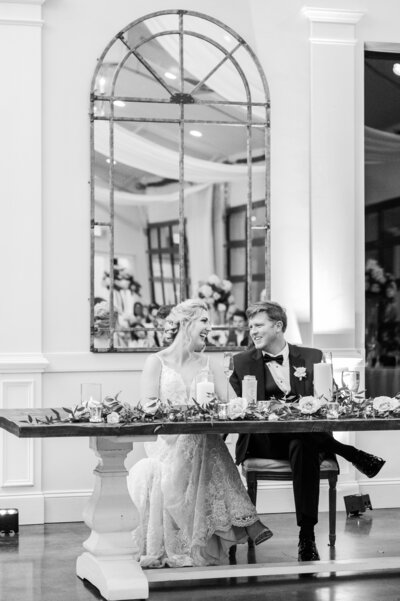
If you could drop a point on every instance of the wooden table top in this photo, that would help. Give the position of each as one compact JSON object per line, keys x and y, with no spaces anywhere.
{"x":16,"y":421}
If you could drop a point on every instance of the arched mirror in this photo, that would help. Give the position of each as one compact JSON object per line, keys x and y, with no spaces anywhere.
{"x":179,"y":180}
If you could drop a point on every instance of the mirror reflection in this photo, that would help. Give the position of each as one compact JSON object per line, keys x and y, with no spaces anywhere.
{"x":180,"y":180}
{"x":382,"y":223}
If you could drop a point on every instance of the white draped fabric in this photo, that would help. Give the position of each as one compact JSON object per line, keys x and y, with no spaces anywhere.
{"x":121,"y":198}
{"x":381,"y":146}
{"x":133,"y":150}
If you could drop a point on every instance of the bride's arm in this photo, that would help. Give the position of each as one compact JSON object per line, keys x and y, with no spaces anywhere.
{"x":150,"y":387}
{"x":150,"y":379}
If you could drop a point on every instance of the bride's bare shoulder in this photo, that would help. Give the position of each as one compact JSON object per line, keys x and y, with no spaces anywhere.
{"x":153,"y":361}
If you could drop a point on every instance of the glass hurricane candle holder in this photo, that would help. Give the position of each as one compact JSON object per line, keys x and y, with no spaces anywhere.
{"x":95,"y":412}
{"x":223,"y":410}
{"x":332,"y":410}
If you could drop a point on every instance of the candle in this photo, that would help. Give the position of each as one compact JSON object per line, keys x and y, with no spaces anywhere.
{"x":204,"y":390}
{"x":323,"y":381}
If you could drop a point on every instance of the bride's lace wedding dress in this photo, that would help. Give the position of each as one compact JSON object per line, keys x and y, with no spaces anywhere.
{"x":192,"y":503}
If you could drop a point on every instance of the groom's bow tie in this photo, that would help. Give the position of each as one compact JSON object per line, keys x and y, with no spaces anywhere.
{"x":268,"y":358}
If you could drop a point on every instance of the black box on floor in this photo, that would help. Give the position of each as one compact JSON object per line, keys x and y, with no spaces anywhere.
{"x":356,"y":504}
{"x":9,"y":521}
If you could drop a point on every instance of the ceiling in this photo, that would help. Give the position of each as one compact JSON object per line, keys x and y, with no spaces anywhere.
{"x":217,"y":142}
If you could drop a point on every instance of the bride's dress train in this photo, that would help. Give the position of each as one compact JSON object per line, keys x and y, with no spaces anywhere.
{"x":192,"y":503}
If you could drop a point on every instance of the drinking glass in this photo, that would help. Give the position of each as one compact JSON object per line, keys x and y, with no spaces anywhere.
{"x":90,"y":393}
{"x":222,"y":410}
{"x":351,"y":381}
{"x":332,"y":410}
{"x":228,"y":370}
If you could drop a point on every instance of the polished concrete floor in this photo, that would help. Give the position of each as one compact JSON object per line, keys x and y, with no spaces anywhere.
{"x":39,"y":565}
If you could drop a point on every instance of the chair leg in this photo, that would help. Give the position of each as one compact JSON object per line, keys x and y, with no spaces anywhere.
{"x":332,"y":510}
{"x":232,"y":555}
{"x":251,"y":480}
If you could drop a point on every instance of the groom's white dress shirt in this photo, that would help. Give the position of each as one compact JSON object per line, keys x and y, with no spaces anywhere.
{"x":280,"y":373}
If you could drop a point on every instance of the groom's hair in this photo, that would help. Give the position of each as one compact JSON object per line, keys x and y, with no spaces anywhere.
{"x":274,"y":311}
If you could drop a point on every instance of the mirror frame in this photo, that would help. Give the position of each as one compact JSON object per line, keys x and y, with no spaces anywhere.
{"x":181,"y":99}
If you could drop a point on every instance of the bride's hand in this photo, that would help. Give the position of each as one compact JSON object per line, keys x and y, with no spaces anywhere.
{"x":169,"y":438}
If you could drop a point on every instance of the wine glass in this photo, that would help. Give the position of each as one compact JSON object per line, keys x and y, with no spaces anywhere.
{"x":351,"y":381}
{"x":228,"y":370}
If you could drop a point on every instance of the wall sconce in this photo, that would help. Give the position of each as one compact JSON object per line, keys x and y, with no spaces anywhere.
{"x":9,"y":521}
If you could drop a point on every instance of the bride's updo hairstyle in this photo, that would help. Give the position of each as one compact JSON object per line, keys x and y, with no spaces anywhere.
{"x":184,"y":314}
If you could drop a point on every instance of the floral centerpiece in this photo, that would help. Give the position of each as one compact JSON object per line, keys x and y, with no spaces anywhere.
{"x":114,"y":411}
{"x":217,"y":293}
{"x":381,"y":315}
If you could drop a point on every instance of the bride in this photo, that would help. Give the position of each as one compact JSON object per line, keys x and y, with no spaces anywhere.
{"x":191,"y":501}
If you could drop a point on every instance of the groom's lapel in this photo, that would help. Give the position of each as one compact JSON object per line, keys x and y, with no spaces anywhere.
{"x":297,"y":385}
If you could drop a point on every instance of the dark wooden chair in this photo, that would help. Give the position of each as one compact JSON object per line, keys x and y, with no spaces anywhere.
{"x":255,"y":469}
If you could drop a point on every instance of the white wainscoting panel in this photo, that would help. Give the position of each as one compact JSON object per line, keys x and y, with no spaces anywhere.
{"x":17,"y":454}
{"x":20,"y":459}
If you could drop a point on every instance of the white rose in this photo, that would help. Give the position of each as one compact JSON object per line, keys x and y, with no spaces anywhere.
{"x":370,"y":264}
{"x":206,"y":290}
{"x":309,"y":404}
{"x":113,"y":418}
{"x":150,"y":406}
{"x":384,"y":403}
{"x":214,"y":280}
{"x":226,"y":285}
{"x":237,"y":408}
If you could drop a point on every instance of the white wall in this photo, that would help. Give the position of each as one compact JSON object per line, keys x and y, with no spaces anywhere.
{"x":317,"y":212}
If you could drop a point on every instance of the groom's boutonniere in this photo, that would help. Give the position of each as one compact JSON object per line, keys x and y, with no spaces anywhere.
{"x":300,"y":372}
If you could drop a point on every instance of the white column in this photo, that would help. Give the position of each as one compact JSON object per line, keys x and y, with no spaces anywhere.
{"x":21,"y":359}
{"x":333,"y":71}
{"x":21,"y":184}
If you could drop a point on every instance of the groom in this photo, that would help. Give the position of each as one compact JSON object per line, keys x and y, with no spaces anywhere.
{"x":284,"y":370}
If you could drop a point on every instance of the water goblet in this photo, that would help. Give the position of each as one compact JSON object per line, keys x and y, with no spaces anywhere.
{"x":351,"y":382}
{"x":228,"y":370}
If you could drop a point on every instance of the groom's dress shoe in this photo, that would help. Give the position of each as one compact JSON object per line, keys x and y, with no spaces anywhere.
{"x":308,"y":550}
{"x":367,"y":464}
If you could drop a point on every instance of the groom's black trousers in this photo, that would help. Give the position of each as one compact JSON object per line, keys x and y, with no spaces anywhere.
{"x":303,"y":451}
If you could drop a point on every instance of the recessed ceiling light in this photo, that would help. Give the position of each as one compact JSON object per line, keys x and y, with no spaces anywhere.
{"x":396,"y":69}
{"x":195,"y":133}
{"x":169,"y":75}
{"x":119,"y":103}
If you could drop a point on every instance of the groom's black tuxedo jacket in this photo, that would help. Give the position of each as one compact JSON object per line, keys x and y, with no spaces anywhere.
{"x":251,"y":363}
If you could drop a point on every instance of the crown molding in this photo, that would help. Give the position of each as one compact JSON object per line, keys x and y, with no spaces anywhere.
{"x":27,"y":13}
{"x":326,"y":15}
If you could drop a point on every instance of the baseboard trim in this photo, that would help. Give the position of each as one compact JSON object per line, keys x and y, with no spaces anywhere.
{"x":30,"y":507}
{"x":273,"y":497}
{"x":65,"y":506}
